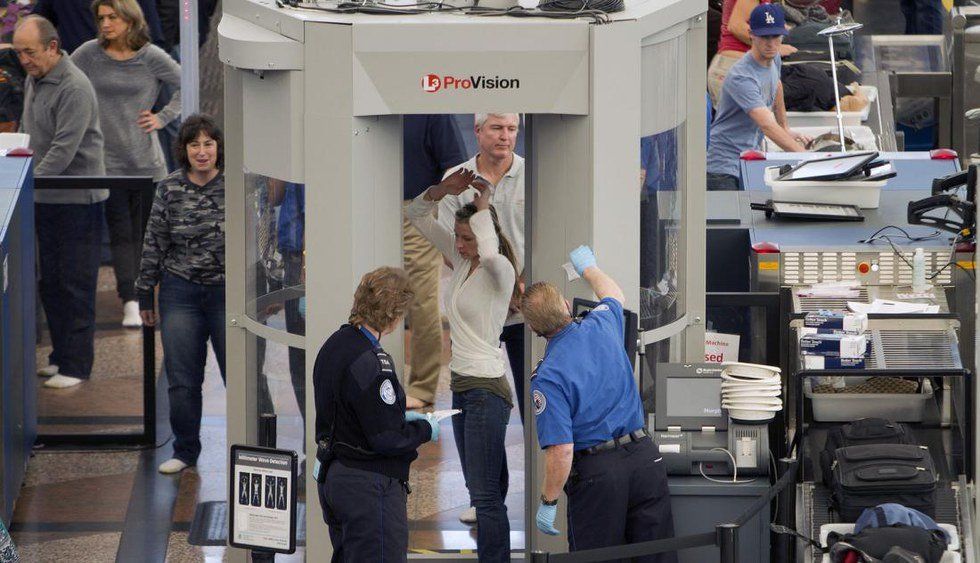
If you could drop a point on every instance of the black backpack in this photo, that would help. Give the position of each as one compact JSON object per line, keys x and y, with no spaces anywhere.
{"x":860,"y":433}
{"x":870,"y":475}
{"x":889,"y":543}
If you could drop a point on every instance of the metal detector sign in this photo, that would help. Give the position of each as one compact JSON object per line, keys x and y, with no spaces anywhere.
{"x":262,"y":495}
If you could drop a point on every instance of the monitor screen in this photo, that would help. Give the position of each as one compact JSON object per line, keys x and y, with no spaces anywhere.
{"x":693,"y":397}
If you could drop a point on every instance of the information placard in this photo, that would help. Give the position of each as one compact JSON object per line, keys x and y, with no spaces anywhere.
{"x":262,"y":497}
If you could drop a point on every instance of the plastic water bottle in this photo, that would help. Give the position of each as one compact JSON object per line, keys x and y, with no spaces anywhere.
{"x":919,"y":271}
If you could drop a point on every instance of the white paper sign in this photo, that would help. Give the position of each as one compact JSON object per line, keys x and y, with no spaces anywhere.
{"x":720,"y":347}
{"x":262,"y":500}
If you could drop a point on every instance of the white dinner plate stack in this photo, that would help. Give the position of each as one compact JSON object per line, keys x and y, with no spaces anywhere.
{"x":751,"y":392}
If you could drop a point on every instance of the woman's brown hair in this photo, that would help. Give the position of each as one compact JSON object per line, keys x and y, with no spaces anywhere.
{"x":382,"y":297}
{"x":504,"y":247}
{"x":131,"y":13}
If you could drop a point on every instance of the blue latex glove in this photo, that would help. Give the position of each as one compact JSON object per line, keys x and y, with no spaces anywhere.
{"x":302,"y":306}
{"x":413,"y":415}
{"x":582,"y":258}
{"x":546,"y":518}
{"x":435,"y":426}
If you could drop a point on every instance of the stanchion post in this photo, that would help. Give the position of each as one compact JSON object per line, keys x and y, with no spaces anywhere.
{"x":267,"y":430}
{"x":267,"y":439}
{"x":787,"y":498}
{"x":539,"y":557}
{"x":727,"y":543}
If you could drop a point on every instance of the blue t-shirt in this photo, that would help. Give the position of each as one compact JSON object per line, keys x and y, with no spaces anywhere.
{"x":292,"y":212}
{"x":748,"y":85}
{"x":658,"y":157}
{"x":583,"y":390}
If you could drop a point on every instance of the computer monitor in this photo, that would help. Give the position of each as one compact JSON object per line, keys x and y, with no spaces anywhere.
{"x":689,"y":396}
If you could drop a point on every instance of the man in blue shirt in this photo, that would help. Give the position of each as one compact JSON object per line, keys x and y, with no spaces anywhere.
{"x":590,"y":422}
{"x":751,"y":103}
{"x":290,"y":228}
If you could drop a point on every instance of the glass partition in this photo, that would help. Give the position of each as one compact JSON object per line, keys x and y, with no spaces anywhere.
{"x":662,"y":197}
{"x":114,"y":401}
{"x":275,"y":253}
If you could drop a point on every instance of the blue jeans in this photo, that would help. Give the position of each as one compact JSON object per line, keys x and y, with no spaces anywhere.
{"x":69,"y":237}
{"x":722,"y":182}
{"x":479,"y":432}
{"x":190,"y":315}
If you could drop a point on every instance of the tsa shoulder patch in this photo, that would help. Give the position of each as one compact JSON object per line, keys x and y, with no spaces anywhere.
{"x":601,"y":307}
{"x":387,"y":392}
{"x":540,"y":403}
{"x":386,"y":364}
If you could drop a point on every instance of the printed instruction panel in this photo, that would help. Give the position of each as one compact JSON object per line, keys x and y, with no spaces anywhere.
{"x":262,"y":500}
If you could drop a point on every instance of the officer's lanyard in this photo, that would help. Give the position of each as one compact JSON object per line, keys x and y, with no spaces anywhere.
{"x":370,"y":336}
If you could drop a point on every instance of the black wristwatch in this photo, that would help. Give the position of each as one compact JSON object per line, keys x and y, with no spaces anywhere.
{"x":547,"y":502}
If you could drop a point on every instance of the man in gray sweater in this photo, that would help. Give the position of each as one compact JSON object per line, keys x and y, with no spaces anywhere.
{"x":62,"y":117}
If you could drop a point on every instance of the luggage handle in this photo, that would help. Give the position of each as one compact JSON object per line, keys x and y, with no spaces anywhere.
{"x":871,"y":453}
{"x":887,"y":473}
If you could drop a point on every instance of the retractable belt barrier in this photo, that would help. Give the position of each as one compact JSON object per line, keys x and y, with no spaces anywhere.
{"x":725,"y":536}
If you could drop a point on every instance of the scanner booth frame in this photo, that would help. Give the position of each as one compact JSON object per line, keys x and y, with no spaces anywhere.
{"x":317,"y":98}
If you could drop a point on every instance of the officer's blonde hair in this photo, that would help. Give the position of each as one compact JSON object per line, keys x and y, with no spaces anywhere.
{"x":382,"y":297}
{"x":544,"y":309}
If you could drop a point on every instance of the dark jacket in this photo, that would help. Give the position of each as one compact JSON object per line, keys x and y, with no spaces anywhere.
{"x":358,"y":379}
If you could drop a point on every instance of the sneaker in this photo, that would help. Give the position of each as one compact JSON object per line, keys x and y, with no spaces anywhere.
{"x":172,"y":465}
{"x":468,"y":516}
{"x":48,"y":371}
{"x":59,"y":381}
{"x":131,"y":315}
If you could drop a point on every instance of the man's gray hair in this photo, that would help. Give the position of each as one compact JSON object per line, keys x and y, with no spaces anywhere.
{"x":45,"y":29}
{"x":481,"y":118}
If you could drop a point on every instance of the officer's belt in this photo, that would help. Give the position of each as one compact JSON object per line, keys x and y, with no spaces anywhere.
{"x":612,"y":444}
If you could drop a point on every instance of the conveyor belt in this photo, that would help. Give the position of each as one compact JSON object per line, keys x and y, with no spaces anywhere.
{"x":815,"y":512}
{"x":867,"y":294}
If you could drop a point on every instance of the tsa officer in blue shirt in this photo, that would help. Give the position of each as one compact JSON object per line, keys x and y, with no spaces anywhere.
{"x":590,"y":422}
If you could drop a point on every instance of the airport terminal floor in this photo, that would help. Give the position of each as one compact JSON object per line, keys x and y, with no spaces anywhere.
{"x":94,"y":506}
{"x":743,"y":380}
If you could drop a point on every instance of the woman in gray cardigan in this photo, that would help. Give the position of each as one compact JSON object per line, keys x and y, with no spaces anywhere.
{"x":128,"y":72}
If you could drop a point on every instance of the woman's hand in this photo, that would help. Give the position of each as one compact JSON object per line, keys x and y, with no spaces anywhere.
{"x":149,"y":317}
{"x":454,"y":184}
{"x":149,"y":122}
{"x":482,"y":199}
{"x":786,"y":50}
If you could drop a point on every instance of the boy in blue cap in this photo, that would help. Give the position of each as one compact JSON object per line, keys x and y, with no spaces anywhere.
{"x":751,"y":103}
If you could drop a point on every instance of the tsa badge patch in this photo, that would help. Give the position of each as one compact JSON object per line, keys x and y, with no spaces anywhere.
{"x":539,"y":402}
{"x":388,"y":392}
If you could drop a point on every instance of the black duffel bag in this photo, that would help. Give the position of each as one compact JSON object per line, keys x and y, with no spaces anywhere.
{"x":898,"y":542}
{"x":859,"y":433}
{"x":866,"y":476}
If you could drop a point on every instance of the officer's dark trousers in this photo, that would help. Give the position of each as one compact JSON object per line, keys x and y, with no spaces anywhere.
{"x":620,"y":496}
{"x":367,"y":515}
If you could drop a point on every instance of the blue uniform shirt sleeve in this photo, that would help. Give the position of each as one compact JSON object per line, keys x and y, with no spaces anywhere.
{"x":608,"y":316}
{"x":552,"y":413}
